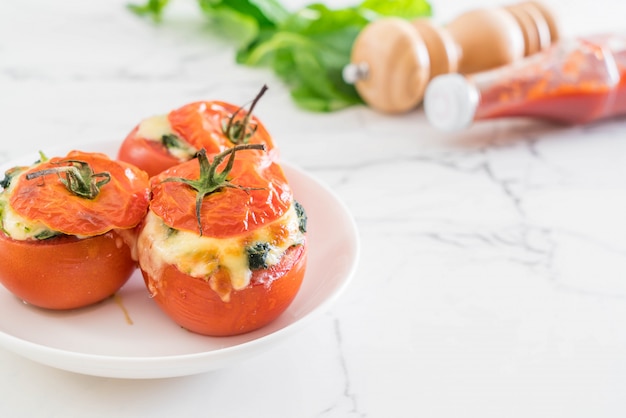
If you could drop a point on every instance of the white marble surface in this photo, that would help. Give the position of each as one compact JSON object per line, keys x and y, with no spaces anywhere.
{"x":492,"y":281}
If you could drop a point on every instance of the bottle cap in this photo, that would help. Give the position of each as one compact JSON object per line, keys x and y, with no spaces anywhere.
{"x":450,"y":102}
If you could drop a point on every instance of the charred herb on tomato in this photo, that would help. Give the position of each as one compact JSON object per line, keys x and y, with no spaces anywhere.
{"x":79,"y":179}
{"x":240,"y":130}
{"x":210,"y":180}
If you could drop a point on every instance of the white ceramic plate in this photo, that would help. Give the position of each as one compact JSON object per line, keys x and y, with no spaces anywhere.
{"x":129,"y":337}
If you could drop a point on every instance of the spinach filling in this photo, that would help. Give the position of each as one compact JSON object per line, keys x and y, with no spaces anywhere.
{"x":47,"y":234}
{"x":302,"y":218}
{"x":259,"y":251}
{"x":173,"y":142}
{"x":257,"y":255}
{"x":5,"y":183}
{"x":9,"y":175}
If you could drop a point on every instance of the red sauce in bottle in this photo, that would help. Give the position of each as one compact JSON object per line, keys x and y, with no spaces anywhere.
{"x":574,"y":82}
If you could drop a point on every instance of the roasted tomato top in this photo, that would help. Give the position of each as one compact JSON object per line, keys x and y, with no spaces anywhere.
{"x":254,"y":192}
{"x":114,"y":194}
{"x":216,"y":126}
{"x":160,"y":142}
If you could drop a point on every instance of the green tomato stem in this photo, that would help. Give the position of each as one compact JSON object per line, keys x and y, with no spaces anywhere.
{"x":79,"y":179}
{"x":209,"y":179}
{"x":240,"y":131}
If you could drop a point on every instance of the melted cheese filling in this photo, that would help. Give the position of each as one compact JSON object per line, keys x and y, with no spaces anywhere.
{"x":15,"y":225}
{"x":20,"y":228}
{"x":200,"y":256}
{"x":156,"y":127}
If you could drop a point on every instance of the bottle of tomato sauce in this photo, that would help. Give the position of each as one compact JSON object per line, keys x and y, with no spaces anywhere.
{"x":575,"y":81}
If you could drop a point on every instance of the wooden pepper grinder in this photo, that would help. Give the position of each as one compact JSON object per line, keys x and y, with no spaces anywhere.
{"x":393,"y":59}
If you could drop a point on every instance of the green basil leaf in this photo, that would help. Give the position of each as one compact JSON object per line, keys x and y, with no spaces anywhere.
{"x":152,"y":8}
{"x":308,"y":48}
{"x":267,"y":13}
{"x":407,"y":9}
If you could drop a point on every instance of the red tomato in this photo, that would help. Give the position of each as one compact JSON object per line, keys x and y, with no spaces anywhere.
{"x":192,"y":304}
{"x":91,"y":259}
{"x":199,"y":303}
{"x":65,"y":272}
{"x":210,"y":125}
{"x":151,"y":156}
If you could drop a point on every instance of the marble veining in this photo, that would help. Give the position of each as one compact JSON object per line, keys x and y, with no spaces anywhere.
{"x":492,"y":279}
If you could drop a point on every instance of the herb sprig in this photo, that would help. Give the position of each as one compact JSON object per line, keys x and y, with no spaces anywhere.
{"x":307,"y":49}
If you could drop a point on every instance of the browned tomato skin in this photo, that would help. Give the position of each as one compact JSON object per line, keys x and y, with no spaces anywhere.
{"x":65,"y":272}
{"x":228,"y":212}
{"x":202,"y":125}
{"x":194,"y":305}
{"x":121,"y":203}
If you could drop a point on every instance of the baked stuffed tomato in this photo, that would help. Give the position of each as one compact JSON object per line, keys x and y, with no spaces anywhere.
{"x":67,"y":228}
{"x":223,"y":247}
{"x":162,"y":141}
